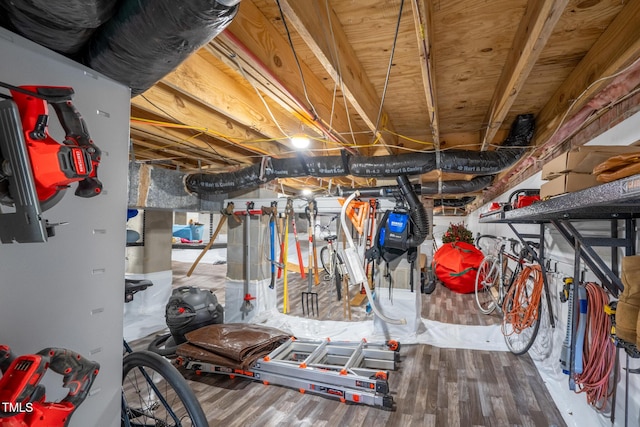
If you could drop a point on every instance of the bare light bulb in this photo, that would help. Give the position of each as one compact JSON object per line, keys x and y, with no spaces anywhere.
{"x":300,"y":141}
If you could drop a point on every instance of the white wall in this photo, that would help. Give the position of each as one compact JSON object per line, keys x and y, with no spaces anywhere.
{"x":68,"y":292}
{"x":573,"y":406}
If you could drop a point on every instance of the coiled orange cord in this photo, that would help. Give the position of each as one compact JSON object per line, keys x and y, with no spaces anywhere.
{"x":524,"y":308}
{"x":599,"y":351}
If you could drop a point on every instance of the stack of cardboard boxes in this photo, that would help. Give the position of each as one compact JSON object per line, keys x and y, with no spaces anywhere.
{"x":571,"y":171}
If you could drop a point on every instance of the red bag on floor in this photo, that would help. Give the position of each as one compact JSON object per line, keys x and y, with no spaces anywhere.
{"x":455,"y":264}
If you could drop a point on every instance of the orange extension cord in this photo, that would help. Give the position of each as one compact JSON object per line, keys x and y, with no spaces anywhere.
{"x":524,"y":309}
{"x":599,"y":350}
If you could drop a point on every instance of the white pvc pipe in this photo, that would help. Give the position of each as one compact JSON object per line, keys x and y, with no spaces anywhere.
{"x":343,"y":222}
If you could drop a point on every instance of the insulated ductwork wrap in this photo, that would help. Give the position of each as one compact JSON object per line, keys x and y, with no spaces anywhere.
{"x":147,"y":39}
{"x":427,"y":188}
{"x":461,"y":161}
{"x":63,"y":26}
{"x":453,"y":203}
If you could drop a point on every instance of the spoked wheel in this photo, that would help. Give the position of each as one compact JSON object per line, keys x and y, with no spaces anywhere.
{"x":521,"y":313}
{"x":325,"y":260}
{"x":486,"y":288}
{"x":155,"y":394}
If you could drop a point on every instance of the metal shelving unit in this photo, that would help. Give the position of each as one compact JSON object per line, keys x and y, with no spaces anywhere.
{"x":617,"y":202}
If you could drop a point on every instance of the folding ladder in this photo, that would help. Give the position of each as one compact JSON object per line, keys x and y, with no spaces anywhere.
{"x":355,"y":372}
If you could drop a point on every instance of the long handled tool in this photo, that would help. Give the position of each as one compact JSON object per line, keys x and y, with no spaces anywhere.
{"x":285,"y":250}
{"x":228,"y":211}
{"x":247,"y":306}
{"x":310,"y":298}
{"x":298,"y":248}
{"x":273,"y":227}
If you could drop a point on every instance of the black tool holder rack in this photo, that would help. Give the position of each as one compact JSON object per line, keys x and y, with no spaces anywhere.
{"x":614,"y":201}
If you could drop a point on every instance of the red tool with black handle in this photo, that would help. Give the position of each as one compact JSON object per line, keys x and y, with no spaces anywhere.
{"x":22,"y":397}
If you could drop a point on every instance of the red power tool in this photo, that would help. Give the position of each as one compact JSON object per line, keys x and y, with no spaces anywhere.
{"x":23,"y":398}
{"x":35,"y":169}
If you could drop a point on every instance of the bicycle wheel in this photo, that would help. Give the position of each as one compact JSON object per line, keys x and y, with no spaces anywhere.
{"x":164,"y":345}
{"x":155,"y":394}
{"x":487,"y":283}
{"x":326,"y":261}
{"x":521,"y":311}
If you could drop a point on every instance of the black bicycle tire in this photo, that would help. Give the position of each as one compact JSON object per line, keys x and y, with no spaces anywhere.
{"x":147,"y":359}
{"x":324,"y":259}
{"x":158,"y":346}
{"x":490,"y":262}
{"x":535,"y":326}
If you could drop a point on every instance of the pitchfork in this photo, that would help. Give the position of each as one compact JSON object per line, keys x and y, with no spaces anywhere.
{"x":310,"y":298}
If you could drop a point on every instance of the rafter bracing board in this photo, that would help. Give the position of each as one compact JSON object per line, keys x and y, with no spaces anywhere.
{"x":254,"y":38}
{"x":182,"y":109}
{"x":202,"y":81}
{"x":161,"y":140}
{"x":312,"y":23}
{"x":422,"y":21}
{"x":534,"y":30}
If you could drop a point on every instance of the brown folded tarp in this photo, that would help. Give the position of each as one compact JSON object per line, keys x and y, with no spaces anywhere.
{"x":231,"y":344}
{"x":618,"y":167}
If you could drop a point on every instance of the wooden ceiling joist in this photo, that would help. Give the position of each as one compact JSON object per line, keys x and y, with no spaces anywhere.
{"x":180,"y":108}
{"x":617,"y":47}
{"x":322,"y":32}
{"x":533,"y":33}
{"x":258,"y":43}
{"x":200,"y":80}
{"x":422,"y":14}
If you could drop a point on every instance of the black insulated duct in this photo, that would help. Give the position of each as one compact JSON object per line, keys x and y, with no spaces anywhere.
{"x":460,"y":161}
{"x":453,"y":203}
{"x":63,"y":26}
{"x":147,"y":39}
{"x":428,"y":188}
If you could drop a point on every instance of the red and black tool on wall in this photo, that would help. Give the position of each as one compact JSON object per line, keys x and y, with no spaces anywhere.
{"x":35,"y":169}
{"x":22,"y":397}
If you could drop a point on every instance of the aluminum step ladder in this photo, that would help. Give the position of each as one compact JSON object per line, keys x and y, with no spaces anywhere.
{"x":354,"y":372}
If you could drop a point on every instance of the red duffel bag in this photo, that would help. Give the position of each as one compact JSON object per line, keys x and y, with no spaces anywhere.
{"x":455,"y":264}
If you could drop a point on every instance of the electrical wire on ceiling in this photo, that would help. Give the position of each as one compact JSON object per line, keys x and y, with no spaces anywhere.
{"x":336,"y":59}
{"x":386,"y":80}
{"x":295,"y":55}
{"x":586,"y":121}
{"x":213,"y":150}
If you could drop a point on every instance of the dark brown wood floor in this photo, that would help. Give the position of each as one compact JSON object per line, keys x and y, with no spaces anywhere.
{"x":432,"y":387}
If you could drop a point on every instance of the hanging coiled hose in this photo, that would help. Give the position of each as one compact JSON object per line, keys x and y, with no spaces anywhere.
{"x":524,"y":309}
{"x":599,"y":351}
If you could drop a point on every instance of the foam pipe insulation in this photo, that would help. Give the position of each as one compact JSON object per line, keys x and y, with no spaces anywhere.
{"x":147,"y":39}
{"x":460,"y":161}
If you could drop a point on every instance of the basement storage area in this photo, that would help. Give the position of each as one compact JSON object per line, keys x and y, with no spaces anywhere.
{"x":366,"y":212}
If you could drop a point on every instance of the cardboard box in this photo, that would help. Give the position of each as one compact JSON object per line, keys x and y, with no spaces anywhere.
{"x":567,"y":183}
{"x":583,"y":159}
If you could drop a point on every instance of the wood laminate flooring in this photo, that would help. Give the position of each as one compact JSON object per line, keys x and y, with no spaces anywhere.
{"x":432,"y":387}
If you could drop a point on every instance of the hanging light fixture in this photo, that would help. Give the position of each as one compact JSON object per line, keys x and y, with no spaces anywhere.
{"x":300,"y":140}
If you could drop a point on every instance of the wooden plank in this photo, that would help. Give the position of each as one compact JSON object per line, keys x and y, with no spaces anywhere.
{"x":187,"y":139}
{"x":255,"y":41}
{"x":616,"y":48}
{"x":158,"y":145}
{"x":422,"y":14}
{"x":181,"y":109}
{"x":533,"y":33}
{"x":311,"y":22}
{"x":200,"y":80}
